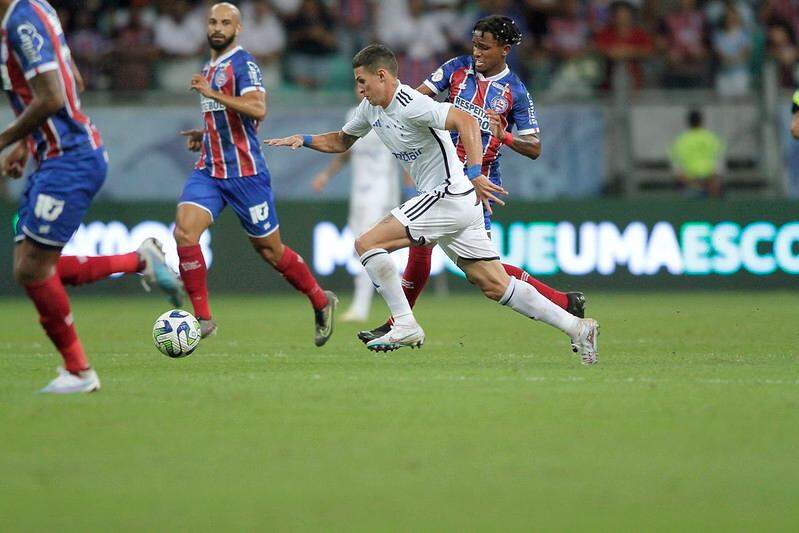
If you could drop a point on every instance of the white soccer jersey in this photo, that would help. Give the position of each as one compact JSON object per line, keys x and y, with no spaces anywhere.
{"x":412,"y":128}
{"x":375,"y":172}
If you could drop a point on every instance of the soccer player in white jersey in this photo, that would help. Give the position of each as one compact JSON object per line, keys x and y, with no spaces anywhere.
{"x":447,"y":211}
{"x":374,"y":191}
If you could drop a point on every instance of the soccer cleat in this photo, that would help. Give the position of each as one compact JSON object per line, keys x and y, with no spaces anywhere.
{"x":586,"y":341}
{"x":398,"y":337}
{"x":207,"y":327}
{"x":156,"y":271}
{"x":324,"y":319}
{"x":69,"y":383}
{"x":372,"y":334}
{"x":576,"y":305}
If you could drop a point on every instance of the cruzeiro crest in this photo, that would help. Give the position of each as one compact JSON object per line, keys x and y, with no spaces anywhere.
{"x":499,"y":104}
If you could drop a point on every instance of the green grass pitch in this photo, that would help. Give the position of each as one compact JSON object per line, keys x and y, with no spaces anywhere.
{"x":689,"y":422}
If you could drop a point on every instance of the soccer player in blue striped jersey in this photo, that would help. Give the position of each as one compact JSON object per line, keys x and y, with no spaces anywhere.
{"x":232,"y":171}
{"x":482,"y":85}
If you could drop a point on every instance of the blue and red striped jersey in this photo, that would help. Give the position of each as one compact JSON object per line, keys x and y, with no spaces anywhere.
{"x":473,"y":93}
{"x":32,"y":43}
{"x":230,"y":142}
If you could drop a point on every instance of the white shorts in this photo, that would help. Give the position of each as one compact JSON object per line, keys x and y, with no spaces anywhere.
{"x":454,"y":222}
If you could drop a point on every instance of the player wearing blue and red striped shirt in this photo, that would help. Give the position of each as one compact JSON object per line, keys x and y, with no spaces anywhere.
{"x":42,"y":85}
{"x":483,"y":86}
{"x":232,"y":170}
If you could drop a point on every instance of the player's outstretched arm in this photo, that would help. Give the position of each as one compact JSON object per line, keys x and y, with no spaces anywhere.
{"x":334,"y":142}
{"x":48,"y":99}
{"x":469,"y":132}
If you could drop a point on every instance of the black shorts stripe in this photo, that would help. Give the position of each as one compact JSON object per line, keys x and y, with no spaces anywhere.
{"x":444,"y":156}
{"x":426,"y":208}
{"x":420,"y":205}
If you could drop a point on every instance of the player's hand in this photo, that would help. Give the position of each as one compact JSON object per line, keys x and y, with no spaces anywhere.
{"x":201,"y":85}
{"x":13,"y":163}
{"x":486,"y":192}
{"x":194,"y":139}
{"x":293,"y":142}
{"x":320,"y":181}
{"x":495,"y":124}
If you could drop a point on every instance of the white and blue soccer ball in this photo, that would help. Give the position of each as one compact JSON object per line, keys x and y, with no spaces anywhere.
{"x":176,"y":333}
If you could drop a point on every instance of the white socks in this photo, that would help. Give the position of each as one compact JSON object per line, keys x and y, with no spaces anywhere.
{"x":362,"y":298}
{"x":524,"y":299}
{"x":384,"y":275}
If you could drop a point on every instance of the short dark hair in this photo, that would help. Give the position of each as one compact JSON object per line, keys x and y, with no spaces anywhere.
{"x":376,"y":56}
{"x":503,"y":29}
{"x":695,"y":118}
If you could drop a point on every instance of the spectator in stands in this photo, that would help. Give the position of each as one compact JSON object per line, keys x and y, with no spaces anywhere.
{"x":313,"y":43}
{"x":132,"y":53}
{"x":623,"y":41}
{"x":425,"y":45}
{"x":697,"y":158}
{"x":89,"y":48}
{"x":263,"y":36}
{"x":782,"y":47}
{"x":568,"y":40}
{"x":733,"y":47}
{"x":356,"y":17}
{"x":682,"y":40}
{"x":180,"y":36}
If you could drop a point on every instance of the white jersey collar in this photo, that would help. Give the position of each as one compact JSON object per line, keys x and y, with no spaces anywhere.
{"x":495,"y":77}
{"x":8,"y":13}
{"x":225,"y":56}
{"x":394,"y":97}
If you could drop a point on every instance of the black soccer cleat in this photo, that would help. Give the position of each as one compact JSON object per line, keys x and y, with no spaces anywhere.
{"x":372,"y":334}
{"x":576,"y":305}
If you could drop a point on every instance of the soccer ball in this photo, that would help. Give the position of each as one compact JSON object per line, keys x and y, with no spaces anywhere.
{"x":176,"y":333}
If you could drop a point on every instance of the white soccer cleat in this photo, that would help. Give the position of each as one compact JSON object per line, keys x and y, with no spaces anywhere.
{"x":398,"y":337}
{"x":586,"y":341}
{"x":156,"y":271}
{"x":69,"y":383}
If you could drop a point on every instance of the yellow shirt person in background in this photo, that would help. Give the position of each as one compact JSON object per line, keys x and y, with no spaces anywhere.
{"x":795,"y":120}
{"x":697,"y":157}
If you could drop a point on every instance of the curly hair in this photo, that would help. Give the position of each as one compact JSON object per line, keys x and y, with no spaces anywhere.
{"x":503,"y":29}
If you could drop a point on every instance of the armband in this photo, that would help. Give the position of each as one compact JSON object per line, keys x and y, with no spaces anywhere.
{"x":307,"y":140}
{"x":507,"y":139}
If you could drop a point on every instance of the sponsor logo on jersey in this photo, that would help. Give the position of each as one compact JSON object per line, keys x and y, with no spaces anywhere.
{"x":410,"y":155}
{"x":254,"y":73}
{"x":32,"y":42}
{"x":437,"y":75}
{"x":474,"y":110}
{"x":209,"y":105}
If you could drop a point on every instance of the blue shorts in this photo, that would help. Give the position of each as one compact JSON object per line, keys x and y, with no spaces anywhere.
{"x":57,"y":196}
{"x":250,"y":197}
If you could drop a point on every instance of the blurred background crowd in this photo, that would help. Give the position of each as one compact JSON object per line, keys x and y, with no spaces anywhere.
{"x":570,"y":46}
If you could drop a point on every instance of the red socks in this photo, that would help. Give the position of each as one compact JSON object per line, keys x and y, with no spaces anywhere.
{"x":556,"y":297}
{"x":55,"y":316}
{"x":194,"y":273}
{"x":417,"y":272}
{"x":77,"y":270}
{"x":297,"y":273}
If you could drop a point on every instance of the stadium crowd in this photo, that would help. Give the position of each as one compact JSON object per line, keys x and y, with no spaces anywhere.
{"x":570,"y":46}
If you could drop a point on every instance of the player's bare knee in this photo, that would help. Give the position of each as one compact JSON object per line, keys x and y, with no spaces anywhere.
{"x":27,"y":271}
{"x":272,"y":253}
{"x":184,"y":237}
{"x":363,"y":245}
